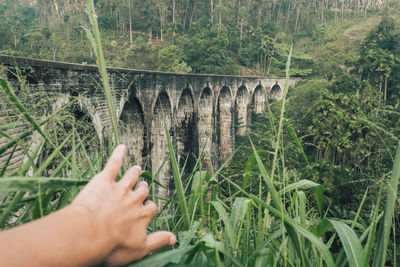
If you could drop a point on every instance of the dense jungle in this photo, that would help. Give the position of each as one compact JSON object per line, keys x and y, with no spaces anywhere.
{"x":315,"y":180}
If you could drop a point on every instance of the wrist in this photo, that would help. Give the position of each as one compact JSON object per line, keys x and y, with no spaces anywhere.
{"x":100,"y":240}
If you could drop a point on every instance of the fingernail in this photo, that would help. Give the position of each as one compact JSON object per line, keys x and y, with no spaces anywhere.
{"x":172,"y":240}
{"x":138,"y":168}
{"x":121,"y":148}
{"x":144,"y":183}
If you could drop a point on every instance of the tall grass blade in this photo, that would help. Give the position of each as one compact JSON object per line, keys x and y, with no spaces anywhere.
{"x":210,"y":242}
{"x":268,"y":180}
{"x":296,"y":139}
{"x":177,"y":180}
{"x":164,"y":258}
{"x":186,"y":237}
{"x":300,"y":185}
{"x":223,"y":215}
{"x":50,"y":158}
{"x":316,"y":241}
{"x":374,"y":222}
{"x":95,"y":40}
{"x":7,"y":163}
{"x":14,"y":184}
{"x":251,"y":161}
{"x":196,"y":191}
{"x":351,"y":244}
{"x":319,"y":198}
{"x":281,"y":118}
{"x":237,"y":216}
{"x":14,"y":202}
{"x":14,"y":99}
{"x":14,"y":141}
{"x":386,"y":226}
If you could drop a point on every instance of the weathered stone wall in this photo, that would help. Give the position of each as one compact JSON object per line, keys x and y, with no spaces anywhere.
{"x":200,"y":111}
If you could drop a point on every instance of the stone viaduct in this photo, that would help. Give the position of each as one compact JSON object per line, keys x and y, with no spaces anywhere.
{"x":202,"y":112}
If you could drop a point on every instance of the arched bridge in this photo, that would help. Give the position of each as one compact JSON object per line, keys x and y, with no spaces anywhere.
{"x":202,"y":112}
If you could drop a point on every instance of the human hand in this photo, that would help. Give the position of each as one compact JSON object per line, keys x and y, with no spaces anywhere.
{"x":119,"y":213}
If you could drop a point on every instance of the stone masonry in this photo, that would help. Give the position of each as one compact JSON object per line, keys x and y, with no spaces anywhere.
{"x":202,"y":112}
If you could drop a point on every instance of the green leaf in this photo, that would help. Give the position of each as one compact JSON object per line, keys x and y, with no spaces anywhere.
{"x":162,"y":259}
{"x":316,"y":241}
{"x":296,"y":139}
{"x":386,"y":226}
{"x":324,"y":226}
{"x":268,"y":180}
{"x":319,"y":197}
{"x":238,"y":213}
{"x":177,"y":179}
{"x":351,"y":244}
{"x":195,"y":192}
{"x":32,"y":184}
{"x":186,"y":236}
{"x":300,"y":185}
{"x":225,"y":219}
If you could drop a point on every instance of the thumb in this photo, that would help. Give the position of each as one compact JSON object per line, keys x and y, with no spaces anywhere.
{"x":159,"y":239}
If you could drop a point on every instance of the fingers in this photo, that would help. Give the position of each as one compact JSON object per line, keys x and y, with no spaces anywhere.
{"x":130,"y":177}
{"x":114,"y":164}
{"x":159,"y":239}
{"x":150,"y":209}
{"x":141,"y":191}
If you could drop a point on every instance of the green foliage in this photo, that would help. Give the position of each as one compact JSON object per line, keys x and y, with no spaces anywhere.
{"x":338,"y":140}
{"x":378,"y":57}
{"x":139,"y":54}
{"x":206,"y":52}
{"x":172,"y":59}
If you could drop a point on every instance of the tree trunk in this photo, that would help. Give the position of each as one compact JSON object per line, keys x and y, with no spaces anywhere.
{"x":270,"y":60}
{"x":219,"y":18}
{"x":336,"y":16}
{"x":297,"y":19}
{"x":322,"y":16}
{"x":173,"y":10}
{"x":191,"y":17}
{"x":385,"y":93}
{"x":241,"y":34}
{"x":366,"y":8}
{"x":277,"y":13}
{"x":15,"y":40}
{"x":342,"y":9}
{"x":161,"y":30}
{"x":130,"y":23}
{"x":212,"y":10}
{"x":150,"y":34}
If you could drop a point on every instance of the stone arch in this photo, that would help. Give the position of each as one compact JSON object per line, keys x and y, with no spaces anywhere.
{"x":132,"y":130}
{"x":87,"y":126}
{"x":161,"y":91}
{"x":77,"y":123}
{"x":276,"y":92}
{"x":205,"y":126}
{"x":225,"y":123}
{"x":185,"y":127}
{"x":241,"y":104}
{"x":258,"y":102}
{"x":96,"y":114}
{"x":159,"y":146}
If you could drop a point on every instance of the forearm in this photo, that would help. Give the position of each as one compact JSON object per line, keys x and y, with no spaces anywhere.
{"x":68,"y":237}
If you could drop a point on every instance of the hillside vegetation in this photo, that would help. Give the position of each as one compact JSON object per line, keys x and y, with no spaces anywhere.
{"x":222,"y":37}
{"x":315,"y":181}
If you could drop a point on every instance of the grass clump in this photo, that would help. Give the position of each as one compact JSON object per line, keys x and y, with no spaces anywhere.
{"x":271,"y":217}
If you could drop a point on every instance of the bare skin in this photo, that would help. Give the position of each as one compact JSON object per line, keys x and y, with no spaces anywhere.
{"x":106,"y":223}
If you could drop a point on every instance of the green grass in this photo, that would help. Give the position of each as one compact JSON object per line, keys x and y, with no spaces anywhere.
{"x":281,"y":221}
